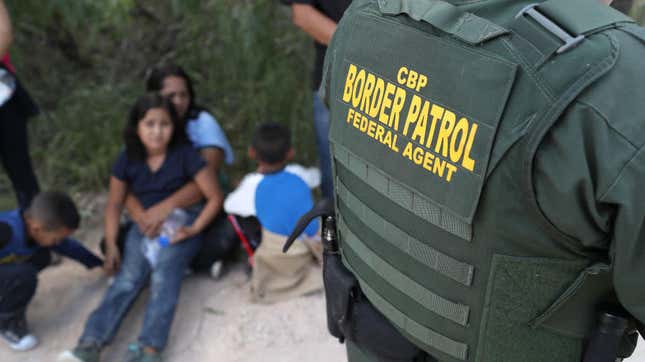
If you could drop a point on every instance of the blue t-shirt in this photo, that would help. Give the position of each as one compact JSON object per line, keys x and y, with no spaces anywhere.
{"x":278,"y":200}
{"x":204,"y":131}
{"x":179,"y":167}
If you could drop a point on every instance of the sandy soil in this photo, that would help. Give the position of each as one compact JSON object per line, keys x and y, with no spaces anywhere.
{"x":215,"y":320}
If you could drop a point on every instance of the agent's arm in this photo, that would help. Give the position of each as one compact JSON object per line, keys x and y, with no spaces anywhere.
{"x":313,"y":22}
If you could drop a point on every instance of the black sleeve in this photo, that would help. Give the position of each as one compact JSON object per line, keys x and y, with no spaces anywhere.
{"x":119,"y":169}
{"x":5,"y":234}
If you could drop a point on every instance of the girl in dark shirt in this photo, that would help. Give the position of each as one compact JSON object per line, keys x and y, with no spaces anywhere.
{"x":156,"y":162}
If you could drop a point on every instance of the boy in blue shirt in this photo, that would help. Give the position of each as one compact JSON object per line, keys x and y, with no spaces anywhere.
{"x":278,"y":195}
{"x":25,"y":236}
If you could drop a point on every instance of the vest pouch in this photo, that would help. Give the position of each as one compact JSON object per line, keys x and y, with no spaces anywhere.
{"x":522,"y":294}
{"x":576,"y":310}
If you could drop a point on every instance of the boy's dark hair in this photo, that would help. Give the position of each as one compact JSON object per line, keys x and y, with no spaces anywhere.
{"x":134,"y":148}
{"x":154,"y":83}
{"x":271,"y":142}
{"x":54,"y":209}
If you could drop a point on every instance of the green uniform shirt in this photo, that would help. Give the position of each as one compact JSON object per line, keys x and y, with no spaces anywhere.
{"x":590,"y":170}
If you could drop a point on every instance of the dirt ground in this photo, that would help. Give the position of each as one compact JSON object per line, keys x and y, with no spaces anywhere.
{"x":215,"y":320}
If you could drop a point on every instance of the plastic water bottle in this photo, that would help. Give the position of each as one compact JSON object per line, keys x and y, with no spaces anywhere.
{"x":152,"y":247}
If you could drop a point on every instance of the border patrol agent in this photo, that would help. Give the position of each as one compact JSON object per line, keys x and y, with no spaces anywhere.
{"x":488,"y":158}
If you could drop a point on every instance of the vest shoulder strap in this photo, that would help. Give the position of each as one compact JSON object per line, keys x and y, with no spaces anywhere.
{"x":634,"y":30}
{"x":563,"y":25}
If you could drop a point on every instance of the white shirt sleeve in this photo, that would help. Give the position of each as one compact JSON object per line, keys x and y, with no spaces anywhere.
{"x":310,"y":175}
{"x":242,"y":200}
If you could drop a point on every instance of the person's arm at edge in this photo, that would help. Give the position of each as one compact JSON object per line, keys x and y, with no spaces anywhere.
{"x":209,"y":187}
{"x":214,"y":157}
{"x":313,"y":22}
{"x":115,"y":203}
{"x":75,"y":250}
{"x":6,"y":30}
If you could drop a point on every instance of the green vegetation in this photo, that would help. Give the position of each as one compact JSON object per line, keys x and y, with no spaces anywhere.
{"x":85,"y":62}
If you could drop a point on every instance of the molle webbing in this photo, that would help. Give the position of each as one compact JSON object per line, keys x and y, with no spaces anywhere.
{"x":423,"y":335}
{"x":410,"y":246}
{"x":408,"y":303}
{"x":366,"y":265}
{"x":455,"y":312}
{"x":402,"y":195}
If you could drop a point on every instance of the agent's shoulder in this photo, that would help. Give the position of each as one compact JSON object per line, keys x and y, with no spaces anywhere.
{"x":620,"y":94}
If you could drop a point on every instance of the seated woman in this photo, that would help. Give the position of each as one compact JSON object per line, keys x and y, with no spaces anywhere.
{"x":206,"y":135}
{"x":155,"y":164}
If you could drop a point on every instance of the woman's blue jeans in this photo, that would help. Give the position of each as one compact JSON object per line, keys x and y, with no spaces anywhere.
{"x":165,"y":284}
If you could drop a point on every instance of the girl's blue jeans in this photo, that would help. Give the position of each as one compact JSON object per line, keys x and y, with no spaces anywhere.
{"x":134,"y":273}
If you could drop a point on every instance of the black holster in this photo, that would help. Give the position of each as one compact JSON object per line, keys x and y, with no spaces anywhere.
{"x":340,"y":290}
{"x":613,"y":338}
{"x":351,"y":316}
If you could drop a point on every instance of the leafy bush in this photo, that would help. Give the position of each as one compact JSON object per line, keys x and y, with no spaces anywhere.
{"x":85,"y":62}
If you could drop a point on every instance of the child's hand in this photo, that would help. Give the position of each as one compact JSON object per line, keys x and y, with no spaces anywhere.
{"x":184,"y":233}
{"x":112,"y":259}
{"x":153,"y":218}
{"x":148,"y":229}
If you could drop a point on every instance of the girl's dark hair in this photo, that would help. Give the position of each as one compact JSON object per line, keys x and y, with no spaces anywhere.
{"x":155,"y":84}
{"x":134,"y":148}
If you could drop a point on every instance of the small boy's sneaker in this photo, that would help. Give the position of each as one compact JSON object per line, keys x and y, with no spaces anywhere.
{"x":135,"y":353}
{"x":16,"y":333}
{"x":216,"y":269}
{"x":81,"y":353}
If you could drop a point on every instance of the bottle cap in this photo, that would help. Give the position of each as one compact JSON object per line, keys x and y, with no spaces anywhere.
{"x":163,"y":240}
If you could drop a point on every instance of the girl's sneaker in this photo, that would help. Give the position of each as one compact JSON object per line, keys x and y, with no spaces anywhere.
{"x":81,"y":353}
{"x":136,"y":354}
{"x":17,"y":335}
